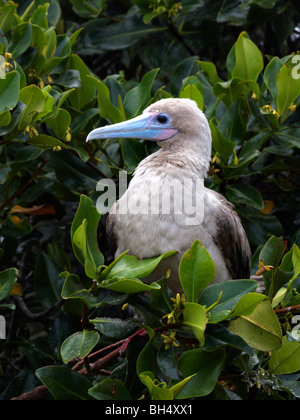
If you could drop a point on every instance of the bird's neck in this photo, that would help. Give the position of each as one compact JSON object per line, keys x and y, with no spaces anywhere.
{"x":176,"y":159}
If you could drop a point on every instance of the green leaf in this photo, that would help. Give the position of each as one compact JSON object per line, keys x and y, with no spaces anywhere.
{"x":78,"y":345}
{"x":63,"y":383}
{"x":84,"y":94}
{"x":248,"y":59}
{"x":218,"y":335}
{"x":211,"y":71}
{"x":138,"y":97}
{"x":44,"y":142}
{"x":196,"y":271}
{"x":87,"y":251}
{"x":296,"y":261}
{"x":245,"y":194}
{"x":51,"y":43}
{"x":156,"y":390}
{"x":123,"y":34}
{"x":290,"y":136}
{"x":184,"y":69}
{"x":34,"y":100}
{"x":220,"y":144}
{"x":114,"y":327}
{"x":133,"y":152}
{"x":194,"y":317}
{"x":39,"y":16}
{"x":270,"y":75}
{"x":110,"y":389}
{"x":5,"y":118}
{"x":286,"y":359}
{"x":106,"y":109}
{"x":21,"y":39}
{"x":167,"y":361}
{"x":4,"y":170}
{"x":271,"y":254}
{"x":73,"y":289}
{"x":7,"y":16}
{"x":246,"y":305}
{"x":60,"y":122}
{"x":146,"y":360}
{"x":261,"y":330}
{"x":128,"y":285}
{"x":206,"y":365}
{"x":130,"y":266}
{"x":192,"y":92}
{"x":7,"y":280}
{"x":288,"y":89}
{"x":9,"y":91}
{"x":47,"y":282}
{"x":232,"y":291}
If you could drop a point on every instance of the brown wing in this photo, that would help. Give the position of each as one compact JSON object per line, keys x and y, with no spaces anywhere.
{"x":232,"y":241}
{"x":111,"y":234}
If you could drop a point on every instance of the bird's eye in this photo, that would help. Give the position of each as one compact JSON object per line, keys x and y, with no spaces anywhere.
{"x":162,"y":118}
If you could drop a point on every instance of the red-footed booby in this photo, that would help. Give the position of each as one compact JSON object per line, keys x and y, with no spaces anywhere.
{"x":181,"y":130}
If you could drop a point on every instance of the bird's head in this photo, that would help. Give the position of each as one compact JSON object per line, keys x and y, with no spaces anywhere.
{"x":170,"y":122}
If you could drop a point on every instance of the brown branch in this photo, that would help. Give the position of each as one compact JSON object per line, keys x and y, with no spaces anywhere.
{"x":41,"y":392}
{"x":37,"y":393}
{"x":287,"y":309}
{"x":26,"y":185}
{"x":34,"y":316}
{"x":95,"y":368}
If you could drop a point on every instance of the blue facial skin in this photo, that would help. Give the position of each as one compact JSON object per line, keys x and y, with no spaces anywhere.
{"x":149,"y":126}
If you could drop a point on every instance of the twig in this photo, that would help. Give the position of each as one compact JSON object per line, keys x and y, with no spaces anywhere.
{"x":20,"y":190}
{"x":287,"y":309}
{"x":92,"y":355}
{"x":37,"y":393}
{"x":94,"y":368}
{"x":26,"y":311}
{"x":97,"y":367}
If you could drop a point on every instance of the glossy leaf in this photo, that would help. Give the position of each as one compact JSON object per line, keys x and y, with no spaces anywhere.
{"x":286,"y":359}
{"x":84,"y":236}
{"x":63,"y":383}
{"x":73,"y":289}
{"x":261,"y":329}
{"x":248,"y":59}
{"x":245,"y":194}
{"x":110,"y":389}
{"x":206,"y":365}
{"x":194,"y":318}
{"x":78,"y":345}
{"x":9,"y":91}
{"x":21,"y":39}
{"x":196,"y":271}
{"x":114,"y":327}
{"x":131,"y":267}
{"x":8,"y":278}
{"x":288,"y":89}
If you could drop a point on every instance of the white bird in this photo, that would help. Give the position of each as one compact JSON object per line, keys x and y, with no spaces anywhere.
{"x":181,"y":130}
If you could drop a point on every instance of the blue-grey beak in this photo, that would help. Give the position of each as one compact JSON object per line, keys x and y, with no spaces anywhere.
{"x":149,"y":126}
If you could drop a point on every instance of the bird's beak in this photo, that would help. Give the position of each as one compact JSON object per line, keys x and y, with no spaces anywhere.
{"x":145,"y":126}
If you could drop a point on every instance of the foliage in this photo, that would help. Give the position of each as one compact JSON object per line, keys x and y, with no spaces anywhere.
{"x":78,"y":322}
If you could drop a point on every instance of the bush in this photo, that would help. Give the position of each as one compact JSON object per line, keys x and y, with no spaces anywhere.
{"x":78,"y":323}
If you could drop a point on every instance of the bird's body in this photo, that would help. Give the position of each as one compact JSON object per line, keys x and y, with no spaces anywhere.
{"x":182,"y":161}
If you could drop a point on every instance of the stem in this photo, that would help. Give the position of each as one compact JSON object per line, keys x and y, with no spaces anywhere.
{"x":287,"y":309}
{"x":20,"y":190}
